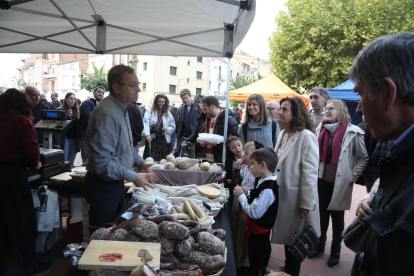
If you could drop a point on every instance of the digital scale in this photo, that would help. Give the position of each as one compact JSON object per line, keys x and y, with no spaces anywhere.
{"x":52,"y":122}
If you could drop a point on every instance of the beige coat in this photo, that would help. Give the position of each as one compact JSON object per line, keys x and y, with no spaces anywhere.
{"x":348,"y":170}
{"x":297,"y":176}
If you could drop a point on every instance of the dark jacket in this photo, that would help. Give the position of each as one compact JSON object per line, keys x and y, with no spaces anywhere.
{"x":394,"y":225}
{"x":174,"y":112}
{"x":236,"y":116}
{"x":193,"y":119}
{"x":85,"y":111}
{"x":219,"y":130}
{"x":37,"y":110}
{"x":135,"y":120}
{"x":381,"y":151}
{"x":56,"y":104}
{"x":199,"y":128}
{"x":18,"y":150}
{"x":72,"y":132}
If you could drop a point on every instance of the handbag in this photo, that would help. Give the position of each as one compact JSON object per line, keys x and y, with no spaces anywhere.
{"x":307,"y":242}
{"x":356,"y":235}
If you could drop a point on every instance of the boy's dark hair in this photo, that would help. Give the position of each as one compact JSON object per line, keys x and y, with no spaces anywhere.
{"x":266,"y":155}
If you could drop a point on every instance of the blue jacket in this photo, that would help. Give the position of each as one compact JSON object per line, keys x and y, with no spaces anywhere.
{"x":193,"y":119}
{"x":394,"y":225}
{"x":85,"y":111}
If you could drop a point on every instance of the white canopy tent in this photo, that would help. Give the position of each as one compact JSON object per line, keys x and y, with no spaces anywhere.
{"x":211,"y":28}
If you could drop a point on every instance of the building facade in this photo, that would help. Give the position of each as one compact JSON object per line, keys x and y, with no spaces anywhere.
{"x":169,"y":75}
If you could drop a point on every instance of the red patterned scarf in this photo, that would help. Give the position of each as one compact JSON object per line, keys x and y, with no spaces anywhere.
{"x":323,"y":140}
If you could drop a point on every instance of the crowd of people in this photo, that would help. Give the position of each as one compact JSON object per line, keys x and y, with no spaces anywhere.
{"x":287,"y":168}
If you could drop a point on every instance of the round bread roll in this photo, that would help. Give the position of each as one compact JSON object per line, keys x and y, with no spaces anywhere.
{"x":205,"y":166}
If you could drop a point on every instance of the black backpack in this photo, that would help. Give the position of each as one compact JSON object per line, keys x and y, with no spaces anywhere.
{"x":244,"y":128}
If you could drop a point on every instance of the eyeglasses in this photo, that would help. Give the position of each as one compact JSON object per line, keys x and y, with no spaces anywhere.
{"x":133,"y":86}
{"x":329,"y":108}
{"x":271,"y":108}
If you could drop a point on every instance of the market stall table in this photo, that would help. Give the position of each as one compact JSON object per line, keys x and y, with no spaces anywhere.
{"x":222,"y":221}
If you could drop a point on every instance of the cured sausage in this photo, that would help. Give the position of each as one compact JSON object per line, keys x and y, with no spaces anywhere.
{"x":162,"y":218}
{"x":193,"y":226}
{"x":220,"y":233}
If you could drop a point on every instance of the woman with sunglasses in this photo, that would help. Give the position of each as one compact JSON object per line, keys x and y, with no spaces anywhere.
{"x":342,"y":157}
{"x":159,"y":124}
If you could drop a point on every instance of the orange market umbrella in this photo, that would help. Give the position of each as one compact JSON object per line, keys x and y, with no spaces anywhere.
{"x":270,"y":87}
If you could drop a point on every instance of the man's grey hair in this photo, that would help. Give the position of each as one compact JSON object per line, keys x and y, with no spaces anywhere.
{"x":323,"y":91}
{"x":198,"y":99}
{"x":185,"y":91}
{"x":43,"y":96}
{"x":28,"y":88}
{"x":277,"y":103}
{"x":55,"y":94}
{"x":388,"y":56}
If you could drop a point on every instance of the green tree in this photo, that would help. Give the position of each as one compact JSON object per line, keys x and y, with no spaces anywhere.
{"x":316,"y":41}
{"x":238,"y":82}
{"x":22,"y":84}
{"x":90,"y":82}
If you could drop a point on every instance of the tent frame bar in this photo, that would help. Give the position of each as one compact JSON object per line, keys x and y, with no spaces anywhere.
{"x":50,"y":15}
{"x":46,"y":38}
{"x":157,"y":38}
{"x":231,"y":2}
{"x":226,"y":118}
{"x":73,"y":24}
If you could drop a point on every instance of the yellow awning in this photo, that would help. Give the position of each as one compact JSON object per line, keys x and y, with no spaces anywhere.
{"x":270,"y":87}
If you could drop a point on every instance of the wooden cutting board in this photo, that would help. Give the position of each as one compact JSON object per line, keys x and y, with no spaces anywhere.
{"x":63,"y":177}
{"x":129,"y":250}
{"x":208,"y":191}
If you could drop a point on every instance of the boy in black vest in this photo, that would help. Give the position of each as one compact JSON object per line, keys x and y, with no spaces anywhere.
{"x":260,"y":205}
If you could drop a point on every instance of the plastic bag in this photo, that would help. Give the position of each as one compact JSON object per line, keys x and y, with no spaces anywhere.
{"x":211,"y":138}
{"x":76,"y":251}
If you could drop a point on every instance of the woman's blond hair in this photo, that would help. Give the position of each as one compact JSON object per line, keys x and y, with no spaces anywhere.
{"x":342,"y":109}
{"x":263,"y":116}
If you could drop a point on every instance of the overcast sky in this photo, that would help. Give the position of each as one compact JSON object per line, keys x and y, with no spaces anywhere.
{"x":255,"y":43}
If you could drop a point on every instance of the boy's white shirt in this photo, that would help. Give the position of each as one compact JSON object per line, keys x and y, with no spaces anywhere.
{"x":261,"y":203}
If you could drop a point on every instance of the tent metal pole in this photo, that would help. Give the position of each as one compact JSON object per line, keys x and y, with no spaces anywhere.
{"x":231,"y":2}
{"x":73,"y":24}
{"x":226,"y":120}
{"x":172,"y":41}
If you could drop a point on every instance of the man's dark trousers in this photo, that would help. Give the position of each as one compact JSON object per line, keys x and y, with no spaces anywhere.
{"x":105,"y":199}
